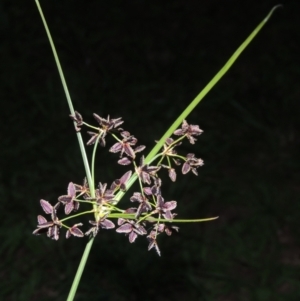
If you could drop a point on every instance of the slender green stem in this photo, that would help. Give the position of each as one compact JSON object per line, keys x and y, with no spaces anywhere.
{"x":199,"y":97}
{"x":148,"y":217}
{"x":63,"y":81}
{"x":76,"y":215}
{"x":80,"y":270}
{"x":83,"y":153}
{"x":94,"y":160}
{"x":208,"y":87}
{"x":112,"y":207}
{"x":87,"y":202}
{"x":155,"y":157}
{"x":90,"y":126}
{"x":198,"y":220}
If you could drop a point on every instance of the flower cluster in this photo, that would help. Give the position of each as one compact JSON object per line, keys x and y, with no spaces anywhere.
{"x":150,"y":215}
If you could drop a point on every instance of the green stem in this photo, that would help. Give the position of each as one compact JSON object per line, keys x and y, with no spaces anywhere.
{"x":153,"y":219}
{"x":94,"y":159}
{"x":208,"y":87}
{"x":87,"y":202}
{"x":80,"y":270}
{"x":90,"y":126}
{"x":199,"y":97}
{"x":83,"y":153}
{"x":76,"y":215}
{"x":198,"y":220}
{"x":65,"y":87}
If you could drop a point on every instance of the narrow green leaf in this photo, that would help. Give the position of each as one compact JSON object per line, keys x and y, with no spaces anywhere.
{"x":209,"y":86}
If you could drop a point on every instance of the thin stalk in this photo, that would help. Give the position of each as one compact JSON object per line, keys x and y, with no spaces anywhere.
{"x":94,"y":159}
{"x":80,"y":270}
{"x":199,"y":97}
{"x":83,"y":153}
{"x":209,"y":86}
{"x":153,"y":219}
{"x":65,"y":87}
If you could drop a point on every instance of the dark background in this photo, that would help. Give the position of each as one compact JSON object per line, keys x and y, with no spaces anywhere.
{"x":145,"y":61}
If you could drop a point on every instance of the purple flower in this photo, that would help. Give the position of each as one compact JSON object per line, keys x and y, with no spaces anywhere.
{"x":166,"y":228}
{"x":169,"y":147}
{"x":145,"y":171}
{"x":171,"y":171}
{"x":188,"y":130}
{"x":83,"y":190}
{"x":131,"y":228}
{"x":125,"y":146}
{"x":121,"y":183}
{"x":74,"y":231}
{"x":165,"y":208}
{"x":95,"y":136}
{"x":103,"y":223}
{"x":124,"y":161}
{"x":51,"y":227}
{"x":104,"y":195}
{"x":144,"y":206}
{"x":77,"y":118}
{"x":106,"y":125}
{"x":154,"y":190}
{"x":70,"y":200}
{"x":191,"y":163}
{"x":153,"y":242}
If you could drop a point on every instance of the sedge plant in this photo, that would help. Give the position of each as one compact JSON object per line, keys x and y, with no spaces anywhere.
{"x":150,"y":215}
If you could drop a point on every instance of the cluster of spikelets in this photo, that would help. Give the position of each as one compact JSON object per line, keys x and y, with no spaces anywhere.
{"x":152,"y":215}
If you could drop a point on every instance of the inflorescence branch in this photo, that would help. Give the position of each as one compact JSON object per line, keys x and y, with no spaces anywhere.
{"x":150,"y":214}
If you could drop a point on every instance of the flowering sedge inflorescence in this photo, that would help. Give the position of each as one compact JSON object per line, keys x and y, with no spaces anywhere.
{"x":151,"y":215}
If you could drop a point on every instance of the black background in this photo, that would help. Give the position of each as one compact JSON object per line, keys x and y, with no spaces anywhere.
{"x":145,"y":61}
